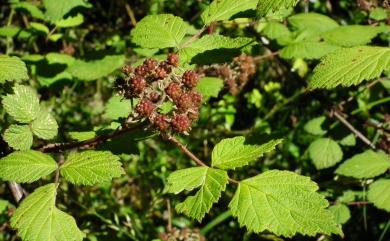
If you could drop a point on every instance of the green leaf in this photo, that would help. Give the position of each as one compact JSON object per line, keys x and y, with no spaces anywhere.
{"x":56,"y":10}
{"x":213,"y":183}
{"x":91,"y":167}
{"x":284,"y":203}
{"x":379,"y":194}
{"x":39,"y":27}
{"x":159,"y":31}
{"x":365,"y":165}
{"x":117,"y":107}
{"x":325,"y":153}
{"x":233,"y":152}
{"x":314,"y":126}
{"x":12,"y":68}
{"x":186,"y":179}
{"x":349,"y":140}
{"x":220,"y":10}
{"x":19,"y":137}
{"x":210,"y":86}
{"x":26,"y":166}
{"x":96,"y":69}
{"x":58,"y":58}
{"x":81,"y":135}
{"x":341,"y":213}
{"x":266,"y":6}
{"x":211,"y":42}
{"x":352,"y":35}
{"x":378,"y":14}
{"x":23,"y":105}
{"x":277,"y":31}
{"x":38,"y":219}
{"x":31,"y":8}
{"x":307,"y":50}
{"x":45,"y":126}
{"x":71,"y":21}
{"x":313,"y":22}
{"x":3,"y":205}
{"x":350,"y":66}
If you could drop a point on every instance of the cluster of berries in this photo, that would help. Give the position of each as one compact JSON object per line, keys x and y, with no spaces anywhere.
{"x":184,"y":234}
{"x":156,"y":83}
{"x":235,"y":74}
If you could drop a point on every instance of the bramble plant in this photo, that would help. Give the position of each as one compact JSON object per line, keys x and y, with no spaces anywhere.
{"x":103,"y":130}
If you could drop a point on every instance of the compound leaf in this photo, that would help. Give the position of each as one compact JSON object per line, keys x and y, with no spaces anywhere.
{"x":325,"y":153}
{"x":45,"y":126}
{"x":365,"y":165}
{"x":212,"y":183}
{"x":284,"y":203}
{"x":26,"y":166}
{"x":159,"y":31}
{"x":38,"y":219}
{"x":23,"y":105}
{"x":12,"y":68}
{"x":220,"y":10}
{"x":379,"y":194}
{"x":350,"y":66}
{"x":233,"y":152}
{"x":91,"y":167}
{"x":19,"y":137}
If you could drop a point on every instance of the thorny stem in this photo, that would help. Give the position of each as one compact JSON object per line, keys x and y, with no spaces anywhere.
{"x":191,"y":155}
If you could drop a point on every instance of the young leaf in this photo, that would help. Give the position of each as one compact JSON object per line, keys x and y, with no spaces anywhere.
{"x":349,"y":140}
{"x":233,"y":152}
{"x":307,"y":50}
{"x":12,"y":68}
{"x":56,"y":10}
{"x":45,"y":126}
{"x":159,"y":31}
{"x":365,"y":165}
{"x":220,"y":10}
{"x":212,"y":42}
{"x":209,"y":86}
{"x":314,"y":126}
{"x":212,"y":183}
{"x":352,"y":35}
{"x":350,"y":66}
{"x":325,"y":153}
{"x":266,"y":6}
{"x":71,"y":21}
{"x":26,"y":166}
{"x":313,"y":22}
{"x":19,"y":137}
{"x":82,"y":135}
{"x":39,"y":27}
{"x":23,"y":105}
{"x":95,"y":69}
{"x":379,"y":194}
{"x":341,"y":213}
{"x":284,"y":203}
{"x":91,"y":167}
{"x":38,"y":219}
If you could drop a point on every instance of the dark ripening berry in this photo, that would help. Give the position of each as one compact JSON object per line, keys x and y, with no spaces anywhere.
{"x":181,"y":123}
{"x":196,"y":99}
{"x":184,"y":102}
{"x":160,"y":73}
{"x":173,"y":90}
{"x":190,"y":78}
{"x":145,"y":108}
{"x":141,"y":70}
{"x":165,"y":66}
{"x":224,"y":71}
{"x":161,"y":122}
{"x":173,"y":60}
{"x":154,"y":97}
{"x":150,"y":64}
{"x":137,"y":84}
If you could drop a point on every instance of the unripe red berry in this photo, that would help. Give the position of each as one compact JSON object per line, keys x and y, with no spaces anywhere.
{"x":190,"y":78}
{"x":154,"y":96}
{"x":173,"y":60}
{"x":173,"y":90}
{"x":184,"y":102}
{"x":224,"y":71}
{"x":160,"y":73}
{"x":161,"y":122}
{"x":166,"y":66}
{"x":145,"y":108}
{"x":150,"y":64}
{"x":196,"y":98}
{"x":140,"y":70}
{"x":181,"y":123}
{"x":137,"y":84}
